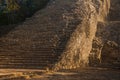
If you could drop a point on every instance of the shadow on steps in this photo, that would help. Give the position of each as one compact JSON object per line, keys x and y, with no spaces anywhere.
{"x":6,"y":29}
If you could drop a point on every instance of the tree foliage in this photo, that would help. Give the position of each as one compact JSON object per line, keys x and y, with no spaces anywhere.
{"x":10,"y":10}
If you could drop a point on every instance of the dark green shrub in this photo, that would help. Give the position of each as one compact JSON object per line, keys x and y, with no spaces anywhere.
{"x":27,"y":9}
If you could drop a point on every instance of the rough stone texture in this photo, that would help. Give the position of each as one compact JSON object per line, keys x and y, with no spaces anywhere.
{"x":61,"y":33}
{"x":106,"y":44}
{"x":78,"y":47}
{"x":115,"y":10}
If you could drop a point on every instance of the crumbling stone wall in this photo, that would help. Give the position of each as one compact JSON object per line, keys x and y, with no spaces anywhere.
{"x":106,"y":45}
{"x":76,"y":53}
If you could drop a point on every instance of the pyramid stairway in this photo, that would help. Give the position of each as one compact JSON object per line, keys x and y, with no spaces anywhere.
{"x":39,"y":41}
{"x":31,"y":46}
{"x":25,"y":55}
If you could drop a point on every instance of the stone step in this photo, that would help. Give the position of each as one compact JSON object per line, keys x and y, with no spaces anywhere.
{"x":28,"y":61}
{"x":33,"y":51}
{"x":27,"y":58}
{"x":24,"y":58}
{"x":23,"y":66}
{"x":32,"y":59}
{"x":26,"y":54}
{"x":38,"y":61}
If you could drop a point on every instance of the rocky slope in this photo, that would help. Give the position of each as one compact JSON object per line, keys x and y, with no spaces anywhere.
{"x":105,"y":49}
{"x":59,"y":36}
{"x":76,"y":53}
{"x":106,"y":44}
{"x":114,"y":14}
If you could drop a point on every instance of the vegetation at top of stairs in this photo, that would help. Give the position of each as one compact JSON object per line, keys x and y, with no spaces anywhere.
{"x":16,"y":11}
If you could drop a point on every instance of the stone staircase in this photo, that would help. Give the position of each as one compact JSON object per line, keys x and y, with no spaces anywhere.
{"x":25,"y":53}
{"x":17,"y":58}
{"x":31,"y":46}
{"x":40,"y":40}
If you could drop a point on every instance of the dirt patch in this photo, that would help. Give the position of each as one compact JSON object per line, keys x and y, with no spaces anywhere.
{"x":76,"y":74}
